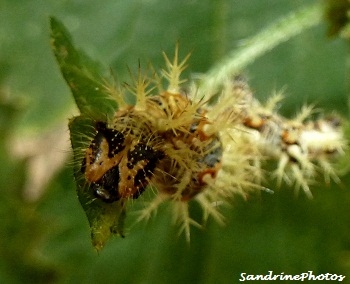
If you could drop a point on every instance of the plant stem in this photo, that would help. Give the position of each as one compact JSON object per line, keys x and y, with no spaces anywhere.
{"x":270,"y":37}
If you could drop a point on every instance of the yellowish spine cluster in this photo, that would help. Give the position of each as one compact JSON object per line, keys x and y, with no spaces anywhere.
{"x":301,"y":146}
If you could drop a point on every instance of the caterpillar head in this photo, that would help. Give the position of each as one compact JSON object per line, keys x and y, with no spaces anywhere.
{"x":118,"y":166}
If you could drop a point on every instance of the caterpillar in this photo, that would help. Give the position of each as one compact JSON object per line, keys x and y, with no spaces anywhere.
{"x":204,"y":147}
{"x":300,"y":145}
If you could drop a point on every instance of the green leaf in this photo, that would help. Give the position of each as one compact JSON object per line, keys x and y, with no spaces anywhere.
{"x":82,"y":74}
{"x":105,"y":219}
{"x":83,"y":77}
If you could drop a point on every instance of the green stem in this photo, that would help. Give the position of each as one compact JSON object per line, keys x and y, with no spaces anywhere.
{"x":275,"y":34}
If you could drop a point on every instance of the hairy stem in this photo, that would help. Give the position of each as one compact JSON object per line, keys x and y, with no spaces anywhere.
{"x":275,"y":34}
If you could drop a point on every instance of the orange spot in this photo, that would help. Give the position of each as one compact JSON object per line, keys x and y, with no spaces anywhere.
{"x":254,"y":123}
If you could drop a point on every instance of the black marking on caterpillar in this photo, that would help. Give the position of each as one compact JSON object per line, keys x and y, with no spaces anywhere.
{"x":116,"y":166}
{"x":106,"y":188}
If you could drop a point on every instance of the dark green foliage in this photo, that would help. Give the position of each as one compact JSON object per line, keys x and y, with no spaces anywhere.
{"x":83,"y":76}
{"x":337,"y":14}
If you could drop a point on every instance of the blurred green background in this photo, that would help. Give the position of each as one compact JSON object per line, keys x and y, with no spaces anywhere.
{"x":44,"y":234}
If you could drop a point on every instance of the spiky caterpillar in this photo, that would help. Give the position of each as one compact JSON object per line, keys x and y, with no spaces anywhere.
{"x":301,"y":146}
{"x":191,"y":149}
